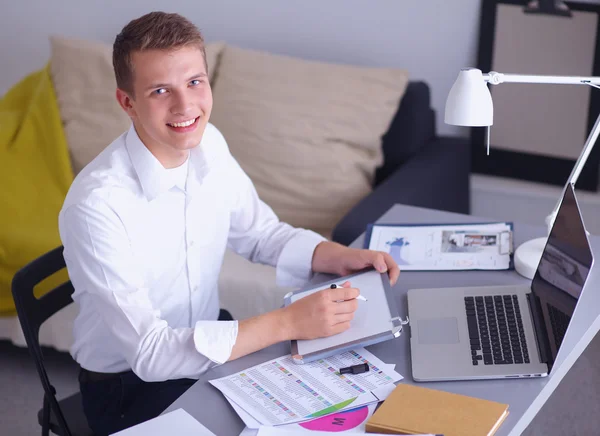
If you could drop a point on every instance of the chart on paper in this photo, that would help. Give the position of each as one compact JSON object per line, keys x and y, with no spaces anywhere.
{"x":279,"y":391}
{"x":444,"y":247}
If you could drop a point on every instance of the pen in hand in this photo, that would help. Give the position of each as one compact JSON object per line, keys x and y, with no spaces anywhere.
{"x":360,"y":297}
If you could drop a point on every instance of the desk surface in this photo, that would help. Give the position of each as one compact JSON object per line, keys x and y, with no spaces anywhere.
{"x":524,"y":396}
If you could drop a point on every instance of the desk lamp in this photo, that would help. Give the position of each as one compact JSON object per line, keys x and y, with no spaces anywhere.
{"x":469,"y":104}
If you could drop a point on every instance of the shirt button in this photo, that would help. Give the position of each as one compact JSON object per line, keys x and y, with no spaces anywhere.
{"x":191,"y":244}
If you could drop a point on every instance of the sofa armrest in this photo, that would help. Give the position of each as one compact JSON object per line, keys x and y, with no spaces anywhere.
{"x":436,"y":178}
{"x":413,"y":126}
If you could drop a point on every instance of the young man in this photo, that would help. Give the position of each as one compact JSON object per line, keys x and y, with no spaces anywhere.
{"x":146,"y":224}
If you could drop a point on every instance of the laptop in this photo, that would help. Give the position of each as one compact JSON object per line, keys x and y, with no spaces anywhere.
{"x":514,"y":331}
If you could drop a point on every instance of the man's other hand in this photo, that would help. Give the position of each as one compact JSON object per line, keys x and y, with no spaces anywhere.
{"x":334,"y":258}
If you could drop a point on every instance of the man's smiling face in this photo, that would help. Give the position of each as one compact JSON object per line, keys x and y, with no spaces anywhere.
{"x":171,"y":101}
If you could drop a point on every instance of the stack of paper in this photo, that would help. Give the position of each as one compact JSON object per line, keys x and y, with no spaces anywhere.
{"x":281,"y":392}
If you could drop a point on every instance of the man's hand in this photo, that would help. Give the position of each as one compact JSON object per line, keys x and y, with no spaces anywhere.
{"x":324,"y":313}
{"x":334,"y":258}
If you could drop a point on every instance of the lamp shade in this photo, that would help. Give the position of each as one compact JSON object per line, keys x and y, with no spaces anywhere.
{"x":469,"y":102}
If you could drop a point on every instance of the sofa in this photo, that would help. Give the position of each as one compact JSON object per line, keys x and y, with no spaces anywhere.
{"x":329,"y":147}
{"x":419,"y":169}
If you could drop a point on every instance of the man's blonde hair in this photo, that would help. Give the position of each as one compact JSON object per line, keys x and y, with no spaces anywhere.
{"x":153,"y":31}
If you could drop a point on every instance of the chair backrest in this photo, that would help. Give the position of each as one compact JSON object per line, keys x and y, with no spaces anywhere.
{"x":34,"y":311}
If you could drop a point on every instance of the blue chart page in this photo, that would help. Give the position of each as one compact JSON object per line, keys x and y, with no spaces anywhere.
{"x":448,"y":247}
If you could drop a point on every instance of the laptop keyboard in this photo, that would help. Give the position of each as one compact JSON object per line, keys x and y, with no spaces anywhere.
{"x":496,"y":330}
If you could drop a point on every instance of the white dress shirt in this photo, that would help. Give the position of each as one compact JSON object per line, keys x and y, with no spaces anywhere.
{"x":144,"y":247}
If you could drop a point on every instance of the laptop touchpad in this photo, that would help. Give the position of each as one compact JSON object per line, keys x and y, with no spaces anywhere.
{"x":438,"y":331}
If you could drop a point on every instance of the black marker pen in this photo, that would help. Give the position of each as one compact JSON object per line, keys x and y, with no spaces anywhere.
{"x":355,"y":369}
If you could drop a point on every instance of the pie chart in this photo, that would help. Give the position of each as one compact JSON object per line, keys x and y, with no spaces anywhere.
{"x":340,"y":421}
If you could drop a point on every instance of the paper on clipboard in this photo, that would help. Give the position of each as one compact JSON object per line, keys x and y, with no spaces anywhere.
{"x":444,"y":247}
{"x":375,"y":320}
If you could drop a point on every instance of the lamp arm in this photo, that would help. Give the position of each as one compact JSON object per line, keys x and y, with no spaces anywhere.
{"x":495,"y":78}
{"x":587,"y":149}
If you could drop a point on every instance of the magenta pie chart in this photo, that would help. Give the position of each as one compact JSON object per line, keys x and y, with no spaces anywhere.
{"x":338,"y":422}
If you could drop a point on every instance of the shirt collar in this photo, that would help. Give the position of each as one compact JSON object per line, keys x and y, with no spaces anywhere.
{"x":153,"y":177}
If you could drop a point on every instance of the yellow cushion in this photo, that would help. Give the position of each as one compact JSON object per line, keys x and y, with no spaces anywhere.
{"x":35,"y":175}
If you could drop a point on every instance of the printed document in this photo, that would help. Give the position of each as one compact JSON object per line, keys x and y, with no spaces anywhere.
{"x":444,"y":247}
{"x":178,"y":422}
{"x":281,"y":392}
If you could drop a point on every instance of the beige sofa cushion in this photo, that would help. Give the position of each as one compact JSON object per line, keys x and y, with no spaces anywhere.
{"x":307,"y":133}
{"x":248,"y":289}
{"x":84,"y":81}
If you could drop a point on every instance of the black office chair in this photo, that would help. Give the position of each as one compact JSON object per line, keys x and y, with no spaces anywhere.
{"x":63,"y":417}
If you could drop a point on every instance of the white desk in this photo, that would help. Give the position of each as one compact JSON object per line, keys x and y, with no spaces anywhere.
{"x":524,"y":396}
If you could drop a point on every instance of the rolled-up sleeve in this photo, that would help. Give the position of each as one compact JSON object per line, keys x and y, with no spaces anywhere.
{"x":257,"y":234}
{"x":106,"y":274}
{"x":212,"y":339}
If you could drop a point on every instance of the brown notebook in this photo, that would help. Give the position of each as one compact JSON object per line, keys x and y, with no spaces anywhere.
{"x":414,"y":409}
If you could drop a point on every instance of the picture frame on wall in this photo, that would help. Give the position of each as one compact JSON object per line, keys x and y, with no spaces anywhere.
{"x":539,"y":129}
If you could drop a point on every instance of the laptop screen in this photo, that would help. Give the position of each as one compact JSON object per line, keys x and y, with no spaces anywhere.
{"x":561,"y":274}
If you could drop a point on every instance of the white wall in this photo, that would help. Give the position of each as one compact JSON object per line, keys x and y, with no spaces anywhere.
{"x":432,"y":39}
